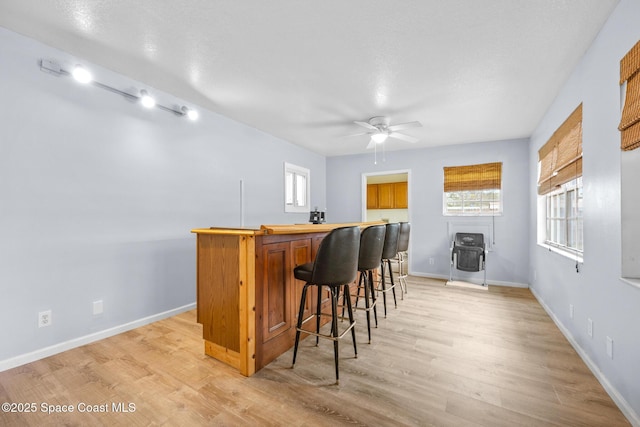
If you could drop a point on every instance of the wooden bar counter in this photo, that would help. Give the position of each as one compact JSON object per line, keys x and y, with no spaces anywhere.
{"x":247,"y":296}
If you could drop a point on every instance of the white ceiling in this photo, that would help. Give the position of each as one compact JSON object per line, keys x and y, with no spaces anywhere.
{"x":468,"y":70}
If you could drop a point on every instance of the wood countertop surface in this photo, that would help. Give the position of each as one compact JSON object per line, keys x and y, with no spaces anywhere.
{"x":281,"y":228}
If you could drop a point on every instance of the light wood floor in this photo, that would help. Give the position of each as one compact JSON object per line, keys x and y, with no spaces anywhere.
{"x":445,"y":357}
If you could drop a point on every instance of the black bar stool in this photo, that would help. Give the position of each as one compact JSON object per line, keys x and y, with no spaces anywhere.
{"x":335,"y":266}
{"x":389,"y":252}
{"x":403,"y":247}
{"x":371,"y":244}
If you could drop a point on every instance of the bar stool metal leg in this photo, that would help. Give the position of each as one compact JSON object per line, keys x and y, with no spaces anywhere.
{"x":299,"y":323}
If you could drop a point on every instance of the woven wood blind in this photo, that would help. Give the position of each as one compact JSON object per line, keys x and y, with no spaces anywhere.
{"x":487,"y":176}
{"x":630,"y":122}
{"x":561,"y":157}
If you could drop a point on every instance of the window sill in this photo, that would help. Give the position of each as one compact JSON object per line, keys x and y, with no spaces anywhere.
{"x":472,"y":215}
{"x":571,"y":255}
{"x":631,"y":281}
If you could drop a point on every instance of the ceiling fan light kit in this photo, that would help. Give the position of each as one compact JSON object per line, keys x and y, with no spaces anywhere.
{"x":379,"y":137}
{"x":379,"y":129}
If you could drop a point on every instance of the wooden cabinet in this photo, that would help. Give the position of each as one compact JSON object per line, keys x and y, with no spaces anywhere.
{"x":400,"y":195}
{"x":386,"y":196}
{"x":278,"y":293}
{"x":372,"y":196}
{"x":247,"y":295}
{"x":392,"y":195}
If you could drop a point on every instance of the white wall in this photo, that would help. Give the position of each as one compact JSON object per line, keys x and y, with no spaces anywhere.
{"x":98,"y":197}
{"x":509,"y":260}
{"x":597,"y":291}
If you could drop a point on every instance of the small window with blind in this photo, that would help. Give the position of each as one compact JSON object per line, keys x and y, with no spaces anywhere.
{"x":473,"y":190}
{"x":560,"y":186}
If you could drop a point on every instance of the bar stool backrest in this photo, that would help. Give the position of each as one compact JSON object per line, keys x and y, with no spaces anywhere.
{"x":336,"y":262}
{"x":371,"y":244}
{"x":403,"y":238}
{"x":390,"y":248}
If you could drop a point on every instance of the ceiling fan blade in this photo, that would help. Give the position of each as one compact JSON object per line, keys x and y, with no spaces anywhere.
{"x":371,"y":144}
{"x":403,"y":137}
{"x":366,"y":125}
{"x":356,"y":134}
{"x":407,"y":125}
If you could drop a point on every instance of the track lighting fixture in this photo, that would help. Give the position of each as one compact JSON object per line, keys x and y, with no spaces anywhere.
{"x":82,"y":75}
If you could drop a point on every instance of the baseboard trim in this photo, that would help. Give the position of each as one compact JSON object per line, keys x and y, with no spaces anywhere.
{"x":87,"y":339}
{"x":624,"y":406}
{"x":489,"y":282}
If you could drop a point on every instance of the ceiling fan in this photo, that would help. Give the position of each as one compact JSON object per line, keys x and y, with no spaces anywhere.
{"x":380,"y":129}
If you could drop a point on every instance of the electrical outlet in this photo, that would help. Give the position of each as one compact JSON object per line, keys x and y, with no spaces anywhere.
{"x":97,"y":307}
{"x":610,"y":347}
{"x":431,"y":261}
{"x":44,"y":318}
{"x":571,"y":311}
{"x":590,"y":327}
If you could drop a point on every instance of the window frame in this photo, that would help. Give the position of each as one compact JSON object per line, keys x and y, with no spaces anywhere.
{"x":292,"y":188}
{"x":574,"y":187}
{"x":498,"y":212}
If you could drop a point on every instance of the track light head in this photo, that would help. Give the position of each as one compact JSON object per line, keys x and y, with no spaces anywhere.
{"x":81,"y":74}
{"x":147,"y":100}
{"x":190,"y":113}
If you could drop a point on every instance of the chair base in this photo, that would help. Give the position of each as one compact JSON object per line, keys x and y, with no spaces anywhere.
{"x":402,"y":272}
{"x":370,"y":300}
{"x":482,"y":268}
{"x":382,"y":285}
{"x":327,"y":336}
{"x":335,"y":336}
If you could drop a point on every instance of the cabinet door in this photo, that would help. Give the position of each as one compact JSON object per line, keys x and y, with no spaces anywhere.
{"x":400,"y":192}
{"x":385,"y":196}
{"x":372,"y":196}
{"x":276,"y":289}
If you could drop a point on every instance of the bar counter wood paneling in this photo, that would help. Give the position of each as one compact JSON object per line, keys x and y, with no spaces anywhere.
{"x":247,"y":296}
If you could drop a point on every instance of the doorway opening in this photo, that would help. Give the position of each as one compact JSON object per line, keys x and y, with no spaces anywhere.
{"x":386,"y":196}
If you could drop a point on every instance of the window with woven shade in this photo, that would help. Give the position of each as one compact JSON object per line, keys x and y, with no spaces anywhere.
{"x":473,"y":189}
{"x":560,"y":186}
{"x":630,"y":121}
{"x":561,"y":157}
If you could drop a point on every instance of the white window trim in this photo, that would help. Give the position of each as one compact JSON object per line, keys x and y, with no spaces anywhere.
{"x":297,"y":170}
{"x":572,"y":254}
{"x":471,"y":214}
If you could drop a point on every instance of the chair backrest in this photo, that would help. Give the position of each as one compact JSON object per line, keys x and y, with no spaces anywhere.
{"x":371,"y":244}
{"x":469,"y":240}
{"x":468,"y":249}
{"x":336,"y":262}
{"x":390,"y":248}
{"x":403,"y":237}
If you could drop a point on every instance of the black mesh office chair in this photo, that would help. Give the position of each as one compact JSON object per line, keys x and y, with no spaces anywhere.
{"x":335,"y":266}
{"x":468,"y":253}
